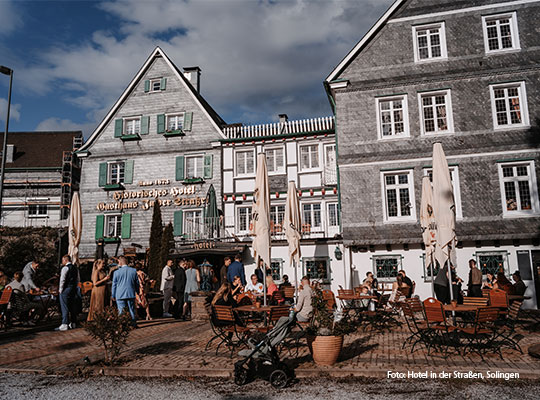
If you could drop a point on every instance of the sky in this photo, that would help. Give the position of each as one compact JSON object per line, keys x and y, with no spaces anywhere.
{"x":259,"y":58}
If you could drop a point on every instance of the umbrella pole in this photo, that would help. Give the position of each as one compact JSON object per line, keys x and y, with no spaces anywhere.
{"x":432,"y":277}
{"x":264,"y":279}
{"x":295,"y":282}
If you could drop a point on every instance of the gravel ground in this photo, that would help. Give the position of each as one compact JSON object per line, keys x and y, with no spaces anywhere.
{"x":37,"y":387}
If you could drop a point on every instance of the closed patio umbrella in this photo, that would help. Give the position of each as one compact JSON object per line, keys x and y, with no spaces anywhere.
{"x":292,"y":228}
{"x":261,"y":217}
{"x":75,"y":228}
{"x":427,"y":222}
{"x":212,"y":213}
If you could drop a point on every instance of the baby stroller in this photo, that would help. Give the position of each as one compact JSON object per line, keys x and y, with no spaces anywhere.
{"x":262,"y":359}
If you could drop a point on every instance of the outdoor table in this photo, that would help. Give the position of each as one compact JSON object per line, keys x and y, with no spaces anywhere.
{"x":353,"y":299}
{"x":461,"y":308}
{"x":46,"y":299}
{"x":513,"y":297}
{"x":254,"y":309}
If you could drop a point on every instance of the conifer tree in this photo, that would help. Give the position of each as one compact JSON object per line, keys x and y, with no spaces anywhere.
{"x":167,"y":242}
{"x":156,"y":233}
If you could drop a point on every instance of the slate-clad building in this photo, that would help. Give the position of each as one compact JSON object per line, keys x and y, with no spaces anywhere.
{"x":465,"y":74}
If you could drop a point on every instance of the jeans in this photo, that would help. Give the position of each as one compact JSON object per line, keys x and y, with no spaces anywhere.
{"x":129,"y":304}
{"x":67,"y":304}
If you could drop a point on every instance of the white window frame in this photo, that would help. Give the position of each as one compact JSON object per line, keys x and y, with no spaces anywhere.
{"x":328,"y":213}
{"x":249,"y":219}
{"x":454,"y":175}
{"x":405,"y":108}
{"x":315,"y":260}
{"x":179,"y":117}
{"x":412,"y":201}
{"x":319,"y":158}
{"x":512,"y":16}
{"x":236,"y":173}
{"x":313,"y":229}
{"x":272,"y":206}
{"x":109,"y":172}
{"x":442,"y":38}
{"x":127,"y":120}
{"x":39,"y":207}
{"x":118,"y":227}
{"x":154,"y":81}
{"x":200,"y":172}
{"x":524,"y":109}
{"x":278,"y":170}
{"x":449,"y":114}
{"x":533,"y":188}
{"x":194,"y":235}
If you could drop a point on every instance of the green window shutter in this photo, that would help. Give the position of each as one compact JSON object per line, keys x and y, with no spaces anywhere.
{"x":208,"y":166}
{"x":180,"y":168}
{"x":103,"y":174}
{"x":100,"y":224}
{"x":118,"y":127}
{"x":161,"y":123}
{"x":188,"y":117}
{"x":178,"y":220}
{"x":128,"y":171}
{"x":145,"y":125}
{"x":163,"y":83}
{"x":146,"y":86}
{"x":126,"y":226}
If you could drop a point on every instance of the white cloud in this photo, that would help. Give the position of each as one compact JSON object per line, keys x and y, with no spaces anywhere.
{"x":14,"y":112}
{"x":9,"y":17}
{"x":58,"y":124}
{"x":260,"y":57}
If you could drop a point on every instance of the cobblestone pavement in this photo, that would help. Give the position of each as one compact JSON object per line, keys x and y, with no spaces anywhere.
{"x":167,"y":347}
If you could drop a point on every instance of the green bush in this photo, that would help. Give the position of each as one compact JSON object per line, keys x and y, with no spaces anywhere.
{"x":323,"y":321}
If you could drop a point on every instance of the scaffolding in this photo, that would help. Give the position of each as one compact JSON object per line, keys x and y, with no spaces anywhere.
{"x":71,"y":174}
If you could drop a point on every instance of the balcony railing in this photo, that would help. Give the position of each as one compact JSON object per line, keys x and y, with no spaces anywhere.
{"x":280,"y":128}
{"x":330,"y":175}
{"x":203,"y":228}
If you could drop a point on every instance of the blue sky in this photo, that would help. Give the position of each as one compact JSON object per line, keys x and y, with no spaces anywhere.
{"x":73,"y":59}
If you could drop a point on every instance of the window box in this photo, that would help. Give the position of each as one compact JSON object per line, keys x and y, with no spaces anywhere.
{"x":190,"y":181}
{"x":114,"y":186}
{"x":129,"y":138}
{"x":111,"y":239}
{"x":173,"y":133}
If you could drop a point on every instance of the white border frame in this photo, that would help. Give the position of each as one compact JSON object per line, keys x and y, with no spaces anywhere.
{"x":412,"y":198}
{"x":184,"y":211}
{"x":245,"y":150}
{"x":449,"y":112}
{"x":174,"y":114}
{"x":454,"y":174}
{"x":131,"y":118}
{"x":523,"y":104}
{"x":299,"y":157}
{"x":534,"y":190}
{"x":442,"y":36}
{"x":237,"y":220}
{"x":192,"y":155}
{"x":109,"y":171}
{"x":106,"y":224}
{"x":406,"y":129}
{"x":152,"y":87}
{"x":283,"y":169}
{"x":513,"y":27}
{"x":322,"y":228}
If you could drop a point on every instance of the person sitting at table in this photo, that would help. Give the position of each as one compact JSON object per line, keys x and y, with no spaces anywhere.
{"x":398,"y":284}
{"x":21,"y":303}
{"x":237,"y":287}
{"x":254,"y":286}
{"x":271,"y":287}
{"x":372,"y":283}
{"x":367,"y":304}
{"x":99,"y":290}
{"x":4,"y":280}
{"x":304,"y":308}
{"x":519,"y":285}
{"x":285,"y":282}
{"x":29,"y":272}
{"x":489,"y":282}
{"x":224,"y":296}
{"x":503,"y":283}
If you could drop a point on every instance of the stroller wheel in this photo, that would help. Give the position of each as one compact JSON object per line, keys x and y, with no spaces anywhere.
{"x":240,"y":376}
{"x":279,"y":379}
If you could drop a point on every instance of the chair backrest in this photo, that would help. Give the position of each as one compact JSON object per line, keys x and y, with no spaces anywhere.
{"x":486,"y":316}
{"x":475,"y":301}
{"x":415,"y":304}
{"x":328,"y":296}
{"x":404,"y":290}
{"x":513,"y":310}
{"x":498,"y":298}
{"x":224,"y":314}
{"x":345,"y":292}
{"x":6,"y":295}
{"x":288,"y":291}
{"x":277,"y":312}
{"x":87,"y":287}
{"x":485,"y":292}
{"x":278,"y":296}
{"x":434,"y":310}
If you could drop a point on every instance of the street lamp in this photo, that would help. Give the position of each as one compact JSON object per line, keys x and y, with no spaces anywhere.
{"x":5,"y":71}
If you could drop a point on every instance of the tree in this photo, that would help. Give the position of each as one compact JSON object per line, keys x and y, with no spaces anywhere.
{"x":156,"y":233}
{"x":167,"y":242}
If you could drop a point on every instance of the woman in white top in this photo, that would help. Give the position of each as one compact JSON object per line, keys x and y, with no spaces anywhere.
{"x":254,"y":286}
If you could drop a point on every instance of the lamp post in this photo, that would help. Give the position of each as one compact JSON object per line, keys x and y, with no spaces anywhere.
{"x":6,"y":71}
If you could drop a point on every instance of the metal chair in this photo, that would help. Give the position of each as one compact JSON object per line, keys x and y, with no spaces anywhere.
{"x":441,"y":334}
{"x":482,"y":334}
{"x":228,"y":328}
{"x":507,"y":328}
{"x":4,"y":302}
{"x":419,"y":329}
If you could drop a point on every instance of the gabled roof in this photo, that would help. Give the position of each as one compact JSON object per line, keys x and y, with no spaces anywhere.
{"x":39,"y":149}
{"x":364,"y":41}
{"x":216,"y":120}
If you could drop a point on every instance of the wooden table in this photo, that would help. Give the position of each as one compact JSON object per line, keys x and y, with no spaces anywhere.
{"x":252,"y":308}
{"x":518,"y":297}
{"x":356,"y":297}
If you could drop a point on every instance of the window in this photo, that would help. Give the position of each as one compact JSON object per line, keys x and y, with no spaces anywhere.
{"x":454,"y":177}
{"x":428,"y":276}
{"x":277,"y":215}
{"x":436,"y":112}
{"x":316,"y":269}
{"x":509,"y":105}
{"x":333,"y":214}
{"x":500,"y":32}
{"x":175,"y":122}
{"x":518,"y":188}
{"x":132,"y":126}
{"x":37,"y":210}
{"x":386,"y":267}
{"x":245,"y":162}
{"x":275,"y":160}
{"x":312,"y":217}
{"x":429,"y":42}
{"x":244,"y":219}
{"x":276,"y":265}
{"x":155,"y":85}
{"x":116,"y":173}
{"x":113,"y":225}
{"x":393,"y":118}
{"x":492,"y":262}
{"x":399,"y":196}
{"x":309,"y":156}
{"x":193,"y":226}
{"x":194,"y":167}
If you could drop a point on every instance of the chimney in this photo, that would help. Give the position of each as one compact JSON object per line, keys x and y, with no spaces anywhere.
{"x":10,"y":153}
{"x":193,"y":75}
{"x":283,"y":119}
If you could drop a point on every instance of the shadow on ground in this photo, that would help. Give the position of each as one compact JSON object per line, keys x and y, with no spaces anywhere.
{"x":161,"y":348}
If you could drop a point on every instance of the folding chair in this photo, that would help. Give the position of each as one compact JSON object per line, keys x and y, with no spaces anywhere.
{"x":229,"y":328}
{"x":507,"y":328}
{"x":278,"y":297}
{"x":441,"y":332}
{"x":481,"y":336}
{"x":418,"y":328}
{"x":4,"y":302}
{"x":288,"y":293}
{"x":275,"y":314}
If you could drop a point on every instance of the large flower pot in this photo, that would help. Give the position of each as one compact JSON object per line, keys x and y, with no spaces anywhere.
{"x":325,"y":349}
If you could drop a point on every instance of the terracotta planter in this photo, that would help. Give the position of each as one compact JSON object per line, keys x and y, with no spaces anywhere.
{"x":325,"y":349}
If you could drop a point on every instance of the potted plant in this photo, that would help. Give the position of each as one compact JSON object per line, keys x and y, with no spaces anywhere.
{"x":325,"y":334}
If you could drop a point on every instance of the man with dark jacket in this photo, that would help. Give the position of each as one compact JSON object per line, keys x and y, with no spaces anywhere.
{"x":474,"y":285}
{"x":519,"y":286}
{"x":179,"y":289}
{"x":236,"y":269}
{"x":69,"y":279}
{"x":223,"y":271}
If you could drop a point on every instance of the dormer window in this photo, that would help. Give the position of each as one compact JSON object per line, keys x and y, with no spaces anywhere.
{"x":155,"y":85}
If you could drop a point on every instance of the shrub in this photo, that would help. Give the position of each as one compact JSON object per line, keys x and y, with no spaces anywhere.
{"x":111,"y":330}
{"x":156,"y":233}
{"x":167,"y":243}
{"x":324,"y":322}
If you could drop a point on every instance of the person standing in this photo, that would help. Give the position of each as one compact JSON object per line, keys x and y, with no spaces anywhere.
{"x":179,"y":288}
{"x":124,"y":288}
{"x":99,"y":290}
{"x":223,"y":270}
{"x":29,"y":272}
{"x":236,"y":269}
{"x":67,"y":289}
{"x":167,"y":283}
{"x":440,"y":285}
{"x":474,"y":285}
{"x":193,"y":279}
{"x":140,"y":297}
